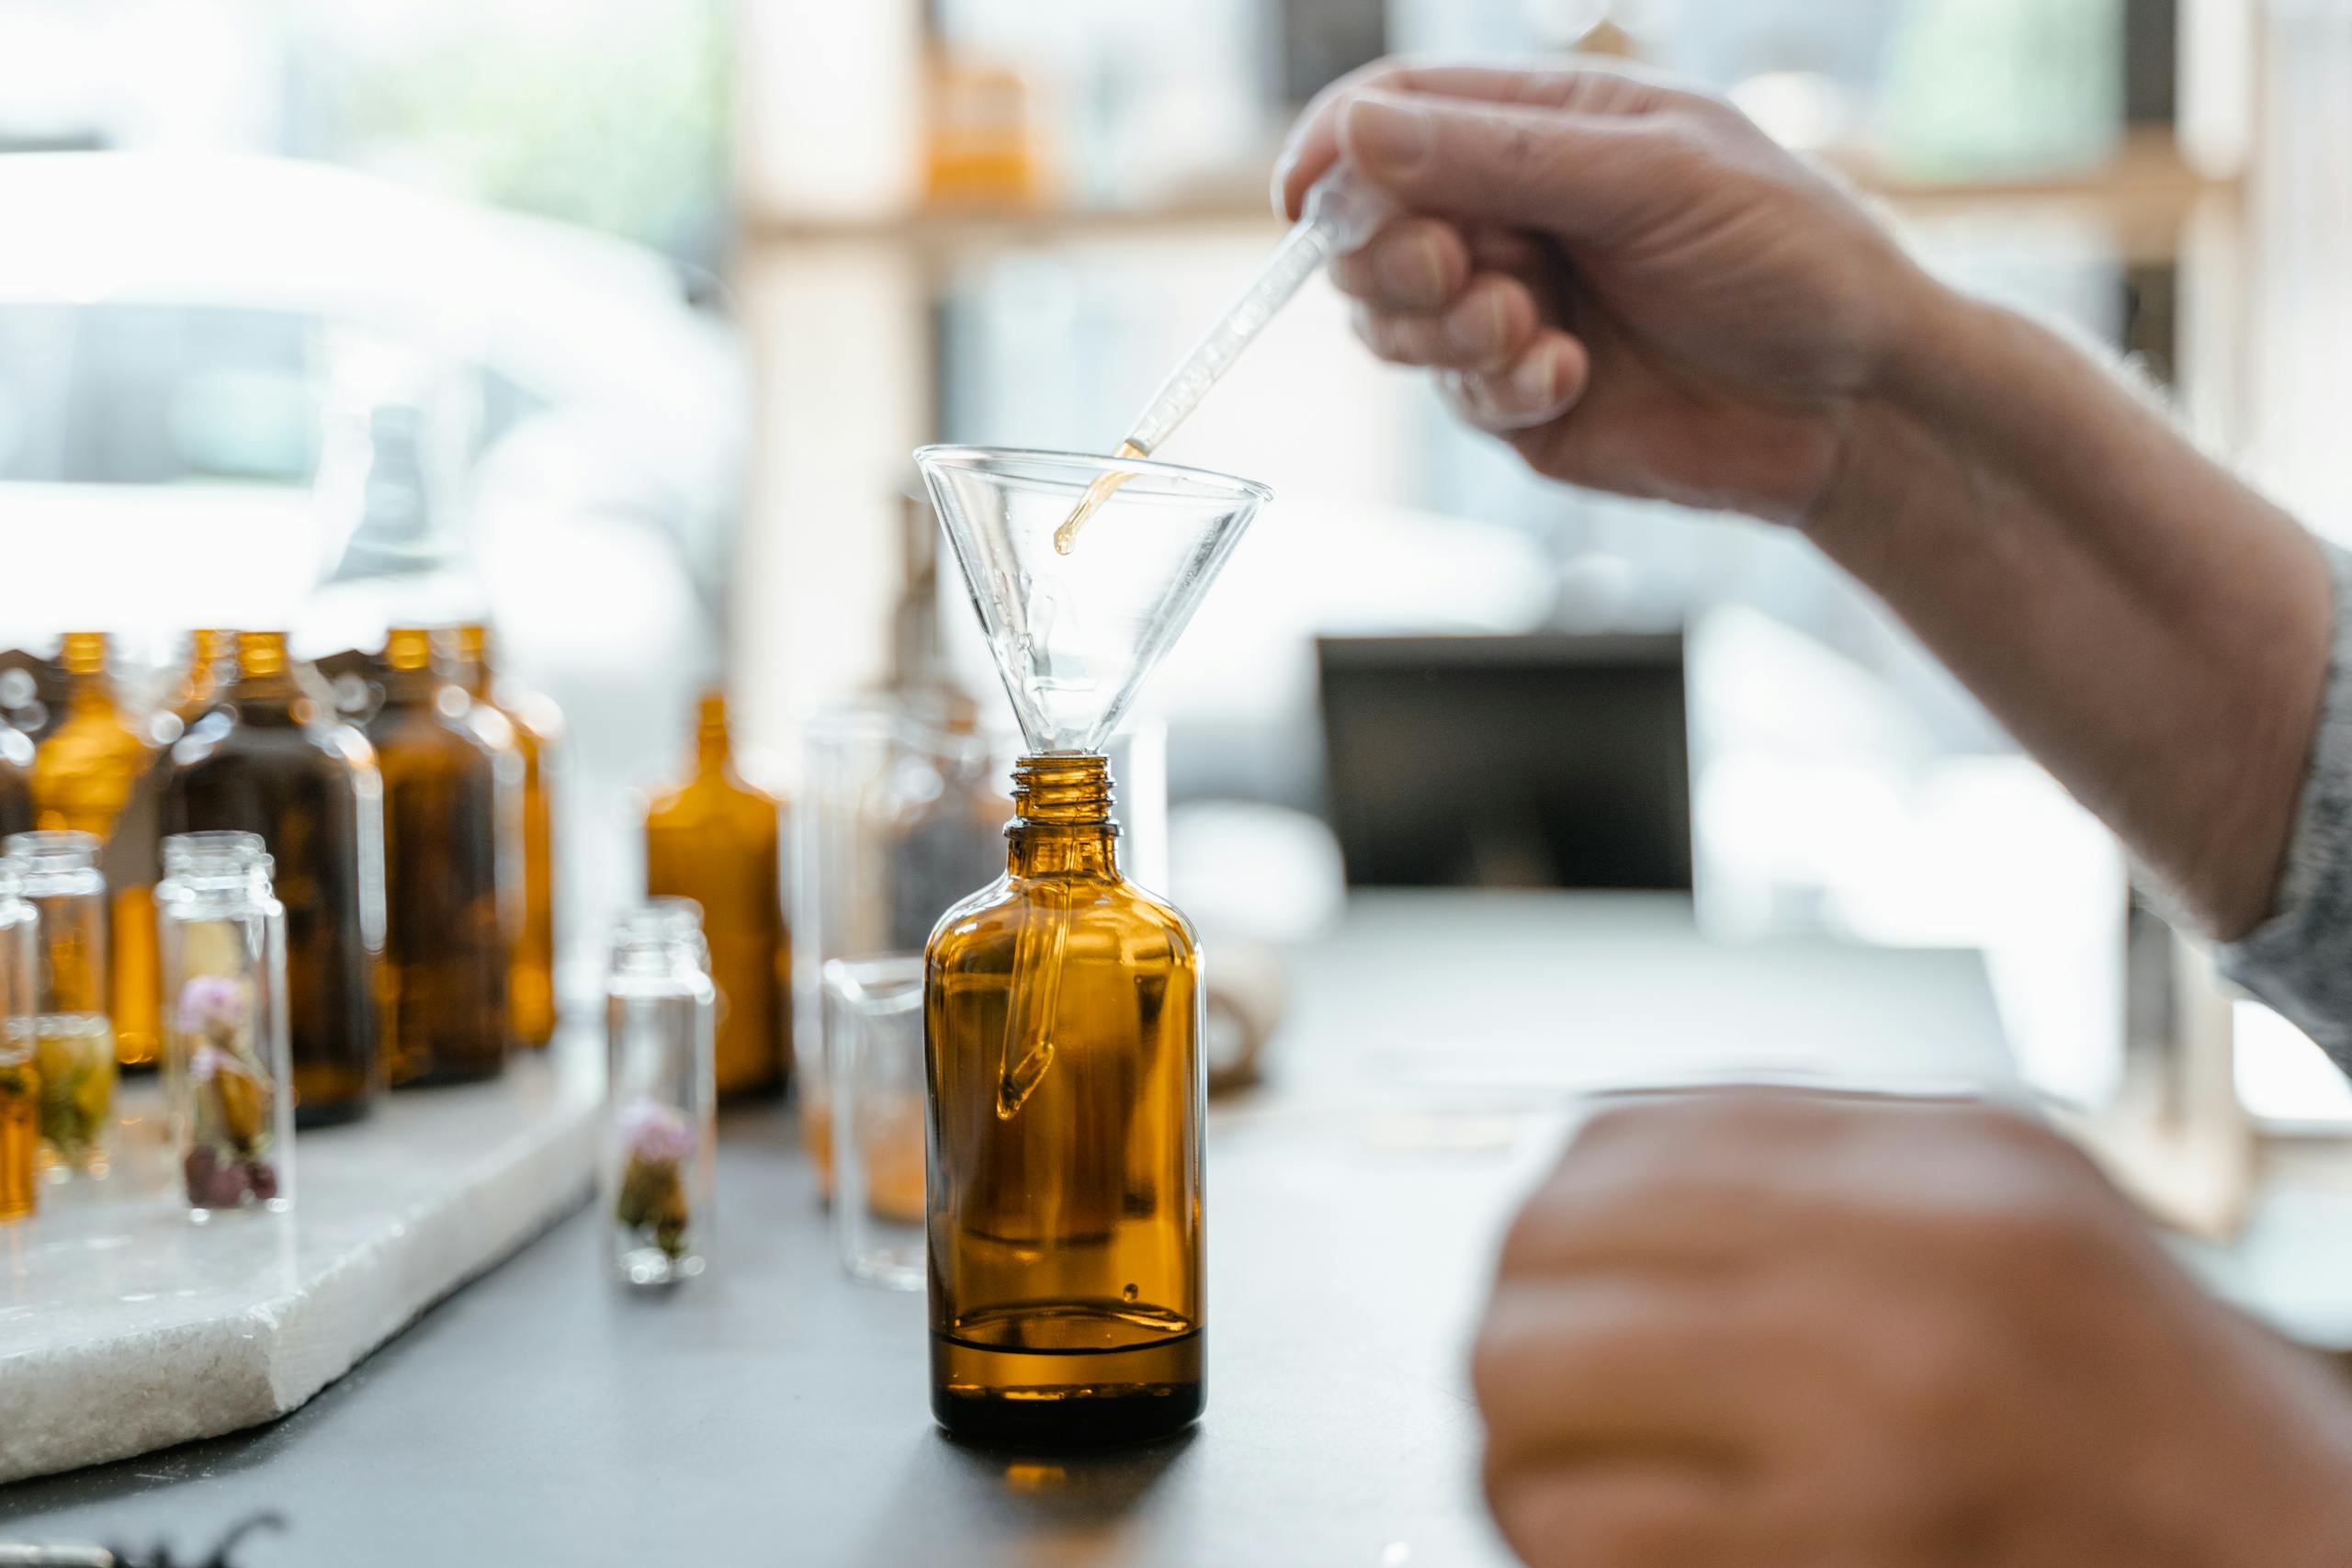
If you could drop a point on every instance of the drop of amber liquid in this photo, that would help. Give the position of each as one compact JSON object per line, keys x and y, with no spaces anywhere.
{"x":1104,"y":487}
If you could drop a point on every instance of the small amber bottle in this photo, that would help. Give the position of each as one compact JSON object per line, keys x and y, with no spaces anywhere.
{"x":537,"y":725}
{"x":94,"y":774}
{"x":266,"y":760}
{"x":1062,"y":1037}
{"x":713,"y":838}
{"x":453,"y":822}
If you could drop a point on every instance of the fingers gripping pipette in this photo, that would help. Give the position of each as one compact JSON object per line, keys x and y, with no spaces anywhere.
{"x":1341,"y":213}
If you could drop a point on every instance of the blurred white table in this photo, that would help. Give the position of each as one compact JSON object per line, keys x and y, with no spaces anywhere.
{"x":775,"y":1412}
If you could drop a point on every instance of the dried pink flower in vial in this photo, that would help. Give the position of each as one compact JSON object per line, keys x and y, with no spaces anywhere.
{"x":213,"y":1005}
{"x":654,"y":1133}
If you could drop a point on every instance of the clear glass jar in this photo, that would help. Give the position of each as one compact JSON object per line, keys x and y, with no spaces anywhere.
{"x":19,"y":1080}
{"x":878,"y":1119}
{"x":73,"y":1032}
{"x":228,"y":1058}
{"x":660,"y":1011}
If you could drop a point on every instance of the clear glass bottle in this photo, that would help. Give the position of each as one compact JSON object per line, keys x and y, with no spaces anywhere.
{"x":877,"y":1086}
{"x":715,"y":839}
{"x":87,"y":777}
{"x":19,"y":1078}
{"x":453,"y":814}
{"x":270,"y":759}
{"x":1062,"y":1025}
{"x":661,"y":1011}
{"x":537,"y":725}
{"x":73,"y":1048}
{"x":228,"y":1061}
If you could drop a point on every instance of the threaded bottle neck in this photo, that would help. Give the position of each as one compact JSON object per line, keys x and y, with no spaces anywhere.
{"x":1062,"y":790}
{"x":260,"y":654}
{"x":84,"y":653}
{"x":714,"y":746}
{"x":408,"y":650}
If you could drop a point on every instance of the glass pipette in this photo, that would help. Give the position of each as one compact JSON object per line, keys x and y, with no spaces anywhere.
{"x":1340,"y":214}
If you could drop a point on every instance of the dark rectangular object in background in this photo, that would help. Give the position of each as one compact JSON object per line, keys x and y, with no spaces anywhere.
{"x":2151,"y":62}
{"x":1322,"y":41}
{"x":1536,"y":762}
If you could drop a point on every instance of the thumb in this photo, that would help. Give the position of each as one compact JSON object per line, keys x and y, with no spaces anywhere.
{"x":1577,"y":174}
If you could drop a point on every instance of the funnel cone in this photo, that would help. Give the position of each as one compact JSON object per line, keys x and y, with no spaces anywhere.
{"x":1075,"y":634}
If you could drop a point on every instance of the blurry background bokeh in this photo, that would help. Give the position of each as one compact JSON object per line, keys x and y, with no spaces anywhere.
{"x":618,"y":320}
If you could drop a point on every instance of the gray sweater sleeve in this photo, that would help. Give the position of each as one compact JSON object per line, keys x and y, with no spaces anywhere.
{"x":2300,"y":961}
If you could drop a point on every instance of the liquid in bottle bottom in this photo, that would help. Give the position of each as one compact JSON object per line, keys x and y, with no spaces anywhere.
{"x":1060,"y":1387}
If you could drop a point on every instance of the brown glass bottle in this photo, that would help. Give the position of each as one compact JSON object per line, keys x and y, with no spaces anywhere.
{"x":537,"y":725}
{"x":453,"y":799}
{"x":265,"y":759}
{"x":714,"y":839}
{"x":94,"y":774}
{"x":1062,"y":1028}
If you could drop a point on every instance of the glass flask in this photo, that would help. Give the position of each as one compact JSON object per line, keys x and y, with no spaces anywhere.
{"x":876,"y":1078}
{"x":661,"y":1013}
{"x":715,"y":839}
{"x":453,"y":818}
{"x":94,"y":774}
{"x":1062,"y":1005}
{"x":270,"y":759}
{"x":228,"y":1059}
{"x":901,"y":813}
{"x":73,"y":1041}
{"x":537,"y":725}
{"x":19,"y":1078}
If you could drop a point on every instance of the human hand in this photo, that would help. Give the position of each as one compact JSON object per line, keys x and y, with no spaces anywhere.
{"x":1628,"y":281}
{"x":1747,"y":1328}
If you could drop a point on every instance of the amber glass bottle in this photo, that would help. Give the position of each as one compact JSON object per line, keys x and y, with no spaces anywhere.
{"x":211,"y":661}
{"x":266,"y":760}
{"x":1062,"y":1031}
{"x":714,"y":839}
{"x":94,"y":774}
{"x":537,"y":725}
{"x":453,"y":809}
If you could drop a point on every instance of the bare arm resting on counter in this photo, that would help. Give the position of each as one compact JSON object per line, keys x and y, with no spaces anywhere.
{"x":1642,"y":293}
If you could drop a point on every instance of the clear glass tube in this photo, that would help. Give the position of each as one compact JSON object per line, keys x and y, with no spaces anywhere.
{"x":228,"y":1056}
{"x":657,"y":1170}
{"x":877,"y":1114}
{"x":19,"y":1080}
{"x":73,"y":1032}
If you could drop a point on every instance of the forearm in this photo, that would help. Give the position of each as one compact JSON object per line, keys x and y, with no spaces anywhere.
{"x":2151,"y":629}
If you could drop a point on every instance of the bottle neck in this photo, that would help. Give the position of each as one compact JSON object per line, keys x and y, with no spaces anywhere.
{"x":714,"y":746}
{"x":469,"y":658}
{"x":263,"y":673}
{"x":409,"y":671}
{"x":83,"y":658}
{"x":1061,"y":823}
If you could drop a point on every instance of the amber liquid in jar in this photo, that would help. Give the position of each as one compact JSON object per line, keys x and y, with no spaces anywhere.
{"x":19,"y":1138}
{"x":539,"y":733}
{"x":714,"y":839}
{"x":452,"y":825}
{"x":266,"y":760}
{"x":94,"y":774}
{"x":1062,"y":1028}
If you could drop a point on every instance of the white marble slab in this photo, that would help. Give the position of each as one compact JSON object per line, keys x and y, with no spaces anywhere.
{"x":124,"y":1327}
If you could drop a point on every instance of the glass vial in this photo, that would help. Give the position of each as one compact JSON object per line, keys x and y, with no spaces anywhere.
{"x":452,"y":802}
{"x":660,"y":1011}
{"x":538,"y":728}
{"x":715,"y":840}
{"x":269,"y":759}
{"x":227,"y":1060}
{"x":19,"y":1078}
{"x":94,"y":774}
{"x":1062,"y":1013}
{"x":73,"y":1041}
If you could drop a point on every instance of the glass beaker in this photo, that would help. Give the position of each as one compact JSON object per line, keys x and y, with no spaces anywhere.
{"x":878,"y":1118}
{"x":658,"y":1167}
{"x":72,"y":1034}
{"x":900,"y":815}
{"x":19,"y":1080}
{"x":228,"y":1059}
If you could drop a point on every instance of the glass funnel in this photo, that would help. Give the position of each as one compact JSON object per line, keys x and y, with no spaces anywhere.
{"x":1076,"y":631}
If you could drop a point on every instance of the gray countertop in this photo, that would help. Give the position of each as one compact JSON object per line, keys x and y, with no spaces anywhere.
{"x":775,"y":1412}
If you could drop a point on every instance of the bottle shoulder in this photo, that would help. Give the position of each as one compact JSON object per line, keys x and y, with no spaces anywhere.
{"x":709,"y":800}
{"x":1111,"y":908}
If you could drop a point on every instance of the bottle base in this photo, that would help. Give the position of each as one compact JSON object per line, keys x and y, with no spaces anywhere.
{"x":1019,"y":1399}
